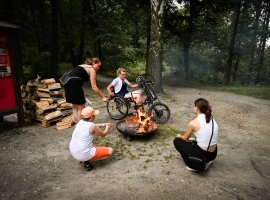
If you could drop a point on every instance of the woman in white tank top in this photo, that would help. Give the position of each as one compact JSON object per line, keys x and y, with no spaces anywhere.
{"x":201,"y":126}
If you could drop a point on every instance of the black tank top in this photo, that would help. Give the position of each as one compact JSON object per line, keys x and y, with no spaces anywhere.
{"x":79,"y":72}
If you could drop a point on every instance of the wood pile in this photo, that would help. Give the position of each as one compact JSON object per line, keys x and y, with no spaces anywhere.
{"x":43,"y":100}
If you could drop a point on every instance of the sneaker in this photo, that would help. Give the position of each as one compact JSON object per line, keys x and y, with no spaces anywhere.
{"x":207,"y":165}
{"x":87,"y":165}
{"x":190,"y":169}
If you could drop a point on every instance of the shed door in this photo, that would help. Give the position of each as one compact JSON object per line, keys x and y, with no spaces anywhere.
{"x":7,"y":89}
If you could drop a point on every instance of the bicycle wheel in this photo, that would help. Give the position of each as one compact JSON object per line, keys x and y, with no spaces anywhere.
{"x":160,"y":112}
{"x":117,"y":107}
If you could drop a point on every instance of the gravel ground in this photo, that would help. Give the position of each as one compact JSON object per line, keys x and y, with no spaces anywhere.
{"x":35,"y":162}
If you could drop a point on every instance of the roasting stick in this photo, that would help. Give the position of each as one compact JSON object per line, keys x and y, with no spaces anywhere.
{"x":91,"y":104}
{"x":88,"y":101}
{"x":103,"y":124}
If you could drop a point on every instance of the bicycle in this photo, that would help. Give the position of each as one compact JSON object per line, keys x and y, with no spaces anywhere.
{"x":118,"y":107}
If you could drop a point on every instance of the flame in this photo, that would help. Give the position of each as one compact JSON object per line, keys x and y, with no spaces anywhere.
{"x":144,"y":119}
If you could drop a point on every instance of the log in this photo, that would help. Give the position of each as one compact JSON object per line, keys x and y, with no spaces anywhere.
{"x":53,"y":115}
{"x":65,"y":105}
{"x":43,"y":90}
{"x":63,"y":125}
{"x":68,"y":119}
{"x":40,"y":85}
{"x":57,"y":93}
{"x":30,"y":83}
{"x":49,"y":81}
{"x":41,"y":104}
{"x":49,"y":100}
{"x":61,"y":101}
{"x":46,"y":109}
{"x":54,"y":86}
{"x":41,"y":94}
{"x":66,"y":112}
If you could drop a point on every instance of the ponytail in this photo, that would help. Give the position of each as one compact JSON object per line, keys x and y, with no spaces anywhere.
{"x":205,"y":108}
{"x":208,"y":114}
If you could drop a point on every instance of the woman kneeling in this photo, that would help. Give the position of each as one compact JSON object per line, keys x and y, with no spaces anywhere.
{"x":205,"y":130}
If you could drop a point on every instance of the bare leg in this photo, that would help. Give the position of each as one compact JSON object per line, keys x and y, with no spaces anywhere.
{"x":79,"y":111}
{"x":74,"y":113}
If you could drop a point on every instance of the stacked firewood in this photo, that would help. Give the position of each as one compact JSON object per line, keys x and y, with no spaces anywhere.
{"x":43,"y":100}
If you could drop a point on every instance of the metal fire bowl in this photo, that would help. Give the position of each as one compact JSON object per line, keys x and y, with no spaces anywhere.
{"x":129,"y":128}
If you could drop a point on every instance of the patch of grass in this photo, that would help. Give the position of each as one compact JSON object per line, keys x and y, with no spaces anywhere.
{"x":165,"y":131}
{"x":260,"y":92}
{"x":148,"y":160}
{"x":168,"y":157}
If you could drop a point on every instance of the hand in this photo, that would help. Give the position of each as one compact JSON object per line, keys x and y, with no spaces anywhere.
{"x":108,"y":125}
{"x":111,"y":94}
{"x":178,"y":135}
{"x":104,"y":99}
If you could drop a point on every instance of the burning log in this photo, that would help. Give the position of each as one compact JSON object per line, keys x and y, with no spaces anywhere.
{"x":140,"y":125}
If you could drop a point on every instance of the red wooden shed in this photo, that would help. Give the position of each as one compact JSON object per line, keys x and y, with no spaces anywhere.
{"x":10,"y":68}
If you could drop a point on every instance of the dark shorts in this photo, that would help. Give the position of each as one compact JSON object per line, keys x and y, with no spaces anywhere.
{"x":74,"y":92}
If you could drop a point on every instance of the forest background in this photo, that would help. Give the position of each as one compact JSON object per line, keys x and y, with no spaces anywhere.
{"x":196,"y":42}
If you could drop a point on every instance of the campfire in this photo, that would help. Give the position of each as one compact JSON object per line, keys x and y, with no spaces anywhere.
{"x":140,"y":124}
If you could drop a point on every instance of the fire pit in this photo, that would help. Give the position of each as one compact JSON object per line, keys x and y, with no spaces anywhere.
{"x":139,"y":125}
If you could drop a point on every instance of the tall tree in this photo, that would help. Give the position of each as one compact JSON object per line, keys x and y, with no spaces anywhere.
{"x":232,"y":42}
{"x":93,"y":26}
{"x":263,"y":39}
{"x":155,"y":48}
{"x":82,"y":34}
{"x":194,"y":9}
{"x":54,"y":41}
{"x":258,"y":9}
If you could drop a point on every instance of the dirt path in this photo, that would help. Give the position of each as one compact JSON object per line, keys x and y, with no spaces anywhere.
{"x":35,"y":162}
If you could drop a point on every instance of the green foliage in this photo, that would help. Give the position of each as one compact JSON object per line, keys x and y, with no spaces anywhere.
{"x":116,"y":31}
{"x":133,"y":70}
{"x":35,"y":63}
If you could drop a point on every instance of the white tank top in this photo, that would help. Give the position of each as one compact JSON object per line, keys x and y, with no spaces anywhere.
{"x":81,"y":144}
{"x":203,"y":135}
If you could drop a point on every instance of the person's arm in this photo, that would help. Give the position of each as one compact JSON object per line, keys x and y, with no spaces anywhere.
{"x":190,"y":129}
{"x":132,"y":85}
{"x":93,"y":82}
{"x":109,"y":89}
{"x":96,"y":130}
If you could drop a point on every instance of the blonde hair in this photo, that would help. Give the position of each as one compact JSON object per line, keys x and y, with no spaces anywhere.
{"x":118,"y":72}
{"x":91,"y":61}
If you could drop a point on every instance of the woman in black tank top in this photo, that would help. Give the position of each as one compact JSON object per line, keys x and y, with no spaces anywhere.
{"x":73,"y":83}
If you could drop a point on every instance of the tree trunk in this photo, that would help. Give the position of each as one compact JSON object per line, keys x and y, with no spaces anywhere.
{"x":254,"y":37}
{"x":186,"y":46}
{"x":82,"y":35}
{"x":155,"y":47}
{"x":148,"y":36}
{"x":135,"y":34}
{"x":263,"y":42}
{"x":194,"y":10}
{"x":232,"y":42}
{"x":235,"y":67}
{"x":91,"y":7}
{"x":54,"y":51}
{"x":66,"y":27}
